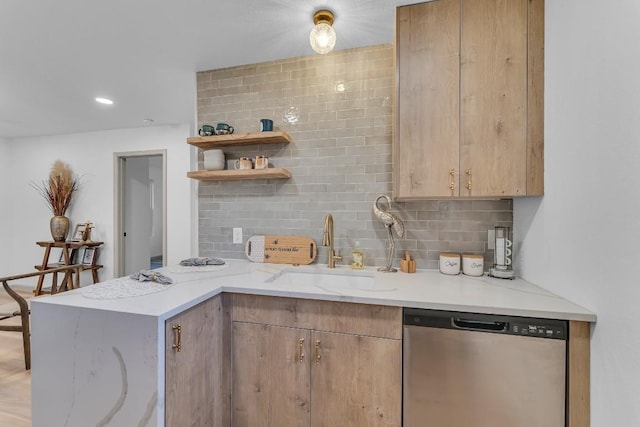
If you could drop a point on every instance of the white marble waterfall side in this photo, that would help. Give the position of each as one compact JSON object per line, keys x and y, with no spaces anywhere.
{"x":94,"y":368}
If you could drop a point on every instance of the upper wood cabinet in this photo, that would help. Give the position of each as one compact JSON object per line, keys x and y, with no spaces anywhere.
{"x":469,"y":101}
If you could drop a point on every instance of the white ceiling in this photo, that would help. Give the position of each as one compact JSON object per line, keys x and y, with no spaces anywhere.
{"x":57,"y":56}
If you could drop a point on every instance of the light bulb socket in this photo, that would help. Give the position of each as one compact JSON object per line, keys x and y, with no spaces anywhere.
{"x":325,"y":16}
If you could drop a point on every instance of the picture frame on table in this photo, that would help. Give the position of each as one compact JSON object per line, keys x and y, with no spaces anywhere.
{"x":89,"y":256}
{"x":78,"y":233}
{"x":73,"y":254}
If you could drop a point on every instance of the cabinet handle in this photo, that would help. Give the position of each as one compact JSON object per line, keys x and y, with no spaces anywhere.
{"x":468,"y":172}
{"x":177,"y":337}
{"x":452,"y":184}
{"x":317,"y":352}
{"x":300,"y":353}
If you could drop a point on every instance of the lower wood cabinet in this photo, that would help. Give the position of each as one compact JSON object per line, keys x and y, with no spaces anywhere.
{"x":357,"y":380}
{"x":258,"y":361}
{"x":196,"y":367}
{"x":271,"y":376}
{"x":288,"y":373}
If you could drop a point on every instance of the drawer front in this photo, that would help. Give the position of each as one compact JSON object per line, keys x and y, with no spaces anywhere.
{"x":341,"y":317}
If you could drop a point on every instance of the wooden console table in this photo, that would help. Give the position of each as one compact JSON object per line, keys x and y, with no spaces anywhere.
{"x":68,"y":279}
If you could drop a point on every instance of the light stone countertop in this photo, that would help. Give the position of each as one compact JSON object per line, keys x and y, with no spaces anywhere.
{"x":427,"y":289}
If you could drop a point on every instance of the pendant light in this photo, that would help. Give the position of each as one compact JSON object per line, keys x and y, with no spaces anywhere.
{"x":323,"y":36}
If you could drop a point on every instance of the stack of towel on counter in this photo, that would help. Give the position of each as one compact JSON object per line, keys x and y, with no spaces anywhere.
{"x":154,"y":276}
{"x":151,"y":276}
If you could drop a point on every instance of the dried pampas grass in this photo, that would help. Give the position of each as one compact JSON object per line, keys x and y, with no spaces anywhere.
{"x":59,"y":188}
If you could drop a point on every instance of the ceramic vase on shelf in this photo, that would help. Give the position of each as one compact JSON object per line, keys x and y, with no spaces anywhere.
{"x":59,"y":226}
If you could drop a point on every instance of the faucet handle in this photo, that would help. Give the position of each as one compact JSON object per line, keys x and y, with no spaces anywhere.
{"x":332,"y":258}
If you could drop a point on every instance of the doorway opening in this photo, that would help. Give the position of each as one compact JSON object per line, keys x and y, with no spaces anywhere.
{"x":140,"y":226}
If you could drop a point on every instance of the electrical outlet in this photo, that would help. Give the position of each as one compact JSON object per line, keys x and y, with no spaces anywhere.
{"x":237,"y":235}
{"x":491,"y":239}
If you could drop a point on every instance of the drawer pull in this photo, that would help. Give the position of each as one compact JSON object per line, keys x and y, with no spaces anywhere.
{"x":177,"y":337}
{"x":300,"y":352}
{"x":317,"y":352}
{"x":452,"y":184}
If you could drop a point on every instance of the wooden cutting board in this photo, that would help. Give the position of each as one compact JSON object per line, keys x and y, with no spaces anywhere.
{"x":281,"y":249}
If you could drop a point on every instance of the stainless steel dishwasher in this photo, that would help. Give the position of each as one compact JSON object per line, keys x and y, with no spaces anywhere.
{"x":464,"y":370}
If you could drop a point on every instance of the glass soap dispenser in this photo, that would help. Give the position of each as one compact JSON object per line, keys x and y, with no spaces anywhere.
{"x":357,"y":258}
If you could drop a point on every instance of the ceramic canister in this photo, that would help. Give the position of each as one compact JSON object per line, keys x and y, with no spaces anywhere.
{"x":450,"y":263}
{"x":214,"y":160}
{"x":472,"y":265}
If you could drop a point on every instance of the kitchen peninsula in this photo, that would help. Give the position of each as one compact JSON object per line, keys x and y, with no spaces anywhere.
{"x":103,"y":360}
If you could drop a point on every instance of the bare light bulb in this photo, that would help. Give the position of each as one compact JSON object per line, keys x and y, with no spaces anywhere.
{"x":323,"y":36}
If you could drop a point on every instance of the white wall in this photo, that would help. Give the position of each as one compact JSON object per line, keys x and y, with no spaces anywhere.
{"x":5,"y":210}
{"x":91,"y":157}
{"x":581,"y":240}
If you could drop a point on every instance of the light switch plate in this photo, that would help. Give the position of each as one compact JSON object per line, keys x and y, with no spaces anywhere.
{"x":491,"y":239}
{"x":237,"y":235}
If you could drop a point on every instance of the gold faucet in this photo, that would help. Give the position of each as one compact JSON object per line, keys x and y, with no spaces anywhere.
{"x":327,"y":240}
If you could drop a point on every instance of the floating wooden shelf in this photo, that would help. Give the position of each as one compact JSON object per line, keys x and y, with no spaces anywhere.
{"x":246,"y":138}
{"x":235,"y":175}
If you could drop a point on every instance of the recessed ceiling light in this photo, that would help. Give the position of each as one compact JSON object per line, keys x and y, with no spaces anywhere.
{"x":104,"y":101}
{"x":148,"y":121}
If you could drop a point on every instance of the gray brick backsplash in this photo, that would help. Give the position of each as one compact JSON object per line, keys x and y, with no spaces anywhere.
{"x":339,"y":157}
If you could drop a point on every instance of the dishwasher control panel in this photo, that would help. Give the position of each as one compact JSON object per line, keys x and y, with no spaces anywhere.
{"x":538,"y":330}
{"x":490,"y":323}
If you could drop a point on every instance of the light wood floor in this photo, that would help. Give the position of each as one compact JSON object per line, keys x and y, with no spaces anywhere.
{"x":15,"y":381}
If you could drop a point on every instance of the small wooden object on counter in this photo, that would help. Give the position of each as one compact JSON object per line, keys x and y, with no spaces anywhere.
{"x":281,"y":249}
{"x":407,"y":265}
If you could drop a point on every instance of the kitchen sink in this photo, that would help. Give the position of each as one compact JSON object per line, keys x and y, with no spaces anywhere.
{"x":328,"y":280}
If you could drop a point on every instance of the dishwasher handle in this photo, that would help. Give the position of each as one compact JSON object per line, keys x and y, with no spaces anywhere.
{"x":479,"y":325}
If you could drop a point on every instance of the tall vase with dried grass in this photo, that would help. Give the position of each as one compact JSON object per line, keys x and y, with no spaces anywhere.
{"x":58,"y":192}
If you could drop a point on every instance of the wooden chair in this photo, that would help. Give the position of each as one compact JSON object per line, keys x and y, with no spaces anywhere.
{"x":21,"y":307}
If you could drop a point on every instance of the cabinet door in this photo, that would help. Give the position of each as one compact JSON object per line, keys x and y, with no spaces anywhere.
{"x":493,"y":90}
{"x":356,"y":380}
{"x":194,"y":385}
{"x":426,"y":134}
{"x":270,"y":376}
{"x":470,"y":89}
